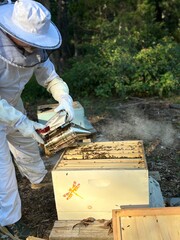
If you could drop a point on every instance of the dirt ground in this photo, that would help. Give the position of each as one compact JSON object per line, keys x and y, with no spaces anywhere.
{"x":154,"y":121}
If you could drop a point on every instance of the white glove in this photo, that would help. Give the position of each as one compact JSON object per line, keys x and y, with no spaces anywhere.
{"x":60,"y":92}
{"x":66,"y":104}
{"x":28,"y":128}
{"x":14,"y":118}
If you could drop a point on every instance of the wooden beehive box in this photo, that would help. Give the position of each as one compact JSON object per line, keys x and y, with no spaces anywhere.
{"x":147,"y":224}
{"x":93,"y":178}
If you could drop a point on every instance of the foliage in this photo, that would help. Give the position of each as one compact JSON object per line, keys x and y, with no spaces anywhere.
{"x":34,"y":92}
{"x":157,"y":69}
{"x":119,"y":48}
{"x":116,"y":69}
{"x":122,"y":48}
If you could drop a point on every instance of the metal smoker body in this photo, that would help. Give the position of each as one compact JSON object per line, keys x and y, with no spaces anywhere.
{"x":59,"y":134}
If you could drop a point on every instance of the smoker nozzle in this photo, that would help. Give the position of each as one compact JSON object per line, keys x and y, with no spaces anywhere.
{"x":80,"y":131}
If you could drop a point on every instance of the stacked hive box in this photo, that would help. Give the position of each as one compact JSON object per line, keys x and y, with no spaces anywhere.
{"x":93,"y":178}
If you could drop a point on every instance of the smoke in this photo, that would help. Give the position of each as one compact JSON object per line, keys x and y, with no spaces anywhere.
{"x":137,"y":126}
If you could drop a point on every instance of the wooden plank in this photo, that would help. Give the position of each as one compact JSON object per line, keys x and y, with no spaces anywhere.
{"x":34,"y":238}
{"x":148,"y":223}
{"x":147,"y":211}
{"x":147,"y":228}
{"x":101,"y":149}
{"x":150,"y":227}
{"x":117,"y":233}
{"x":114,"y":143}
{"x":104,"y":155}
{"x":71,"y":229}
{"x":128,"y":229}
{"x":107,"y":146}
{"x":102,"y":165}
{"x":95,"y":163}
{"x":104,"y":151}
{"x":104,"y":161}
{"x":122,"y":166}
{"x":168,"y":225}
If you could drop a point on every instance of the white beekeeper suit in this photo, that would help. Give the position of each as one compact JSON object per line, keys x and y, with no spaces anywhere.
{"x":29,"y":22}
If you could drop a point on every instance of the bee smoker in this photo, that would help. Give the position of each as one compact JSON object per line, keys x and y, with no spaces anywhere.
{"x":59,"y":134}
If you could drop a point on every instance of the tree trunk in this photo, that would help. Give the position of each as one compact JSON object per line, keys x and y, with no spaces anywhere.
{"x":62,"y":23}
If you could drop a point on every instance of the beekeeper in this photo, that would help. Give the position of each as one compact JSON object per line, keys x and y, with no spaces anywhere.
{"x":26,"y":32}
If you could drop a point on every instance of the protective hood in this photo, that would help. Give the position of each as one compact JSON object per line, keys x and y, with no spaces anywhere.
{"x":12,"y":54}
{"x":30,"y":22}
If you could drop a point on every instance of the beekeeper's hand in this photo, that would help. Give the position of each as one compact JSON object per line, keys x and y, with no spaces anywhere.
{"x":28,"y":128}
{"x":60,"y":92}
{"x":66,"y":104}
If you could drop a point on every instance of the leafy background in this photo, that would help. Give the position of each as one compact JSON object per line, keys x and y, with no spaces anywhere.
{"x":116,"y":48}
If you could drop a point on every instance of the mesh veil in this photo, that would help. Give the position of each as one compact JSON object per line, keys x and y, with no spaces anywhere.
{"x":19,"y":57}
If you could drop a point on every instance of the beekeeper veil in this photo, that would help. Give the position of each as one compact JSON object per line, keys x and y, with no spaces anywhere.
{"x":29,"y":22}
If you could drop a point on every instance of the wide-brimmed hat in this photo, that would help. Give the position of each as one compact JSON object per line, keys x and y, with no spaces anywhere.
{"x":30,"y":22}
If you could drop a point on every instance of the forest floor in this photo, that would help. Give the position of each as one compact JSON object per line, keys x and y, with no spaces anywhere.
{"x":155,"y":121}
